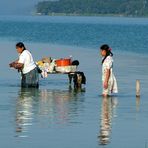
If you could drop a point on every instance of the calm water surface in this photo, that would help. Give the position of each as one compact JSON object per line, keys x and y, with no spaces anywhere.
{"x":125,"y":34}
{"x":55,"y":115}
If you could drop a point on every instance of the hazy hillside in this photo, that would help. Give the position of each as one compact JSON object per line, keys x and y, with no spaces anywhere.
{"x":17,"y":7}
{"x":96,"y":7}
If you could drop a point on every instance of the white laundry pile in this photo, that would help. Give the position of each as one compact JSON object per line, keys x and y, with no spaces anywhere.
{"x":47,"y":68}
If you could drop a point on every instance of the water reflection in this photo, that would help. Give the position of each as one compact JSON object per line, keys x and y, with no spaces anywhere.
{"x":24,"y":110}
{"x":137,"y":104}
{"x":46,"y":107}
{"x":60,"y":106}
{"x":107,"y":113}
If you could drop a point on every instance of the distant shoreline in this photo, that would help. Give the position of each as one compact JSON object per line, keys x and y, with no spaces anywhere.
{"x":91,"y":15}
{"x":93,"y":8}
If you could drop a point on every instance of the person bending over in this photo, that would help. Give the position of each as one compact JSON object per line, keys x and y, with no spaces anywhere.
{"x":26,"y":65}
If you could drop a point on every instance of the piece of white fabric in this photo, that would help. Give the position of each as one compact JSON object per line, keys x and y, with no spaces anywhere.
{"x":44,"y":74}
{"x":26,"y":59}
{"x":112,"y":83}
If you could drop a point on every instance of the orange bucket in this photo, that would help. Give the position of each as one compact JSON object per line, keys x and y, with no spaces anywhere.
{"x":63,"y":62}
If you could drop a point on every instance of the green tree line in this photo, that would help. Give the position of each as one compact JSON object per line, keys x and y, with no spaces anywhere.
{"x":96,"y":7}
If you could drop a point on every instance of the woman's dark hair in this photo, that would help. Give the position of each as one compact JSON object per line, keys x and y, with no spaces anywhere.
{"x":21,"y":45}
{"x":108,"y":51}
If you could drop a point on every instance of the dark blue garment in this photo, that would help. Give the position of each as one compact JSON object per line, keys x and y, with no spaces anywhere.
{"x":30,"y":79}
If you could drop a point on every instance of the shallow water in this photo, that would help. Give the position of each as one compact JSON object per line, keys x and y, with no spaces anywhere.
{"x":55,"y":115}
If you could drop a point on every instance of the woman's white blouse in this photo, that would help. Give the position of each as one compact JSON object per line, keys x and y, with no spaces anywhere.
{"x":26,"y":59}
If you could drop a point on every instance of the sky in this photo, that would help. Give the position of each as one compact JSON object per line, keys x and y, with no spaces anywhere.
{"x":17,"y":7}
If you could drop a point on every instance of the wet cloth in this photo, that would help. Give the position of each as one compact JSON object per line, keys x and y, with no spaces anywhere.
{"x":30,"y":79}
{"x":44,"y":74}
{"x":112,"y":83}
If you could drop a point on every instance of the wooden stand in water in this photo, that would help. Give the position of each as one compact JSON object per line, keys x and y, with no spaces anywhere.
{"x":137,"y":88}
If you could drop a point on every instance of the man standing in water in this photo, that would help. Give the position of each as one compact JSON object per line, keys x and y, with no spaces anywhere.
{"x":26,"y":65}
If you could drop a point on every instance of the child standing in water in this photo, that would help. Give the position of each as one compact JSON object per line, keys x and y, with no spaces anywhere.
{"x":108,"y":79}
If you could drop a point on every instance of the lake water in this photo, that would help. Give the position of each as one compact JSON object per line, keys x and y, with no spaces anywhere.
{"x":57,"y":116}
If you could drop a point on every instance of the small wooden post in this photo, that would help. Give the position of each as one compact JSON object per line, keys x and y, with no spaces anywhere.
{"x":137,"y":88}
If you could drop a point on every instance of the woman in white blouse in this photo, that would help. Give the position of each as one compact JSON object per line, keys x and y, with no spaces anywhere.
{"x":108,"y":79}
{"x":26,"y":65}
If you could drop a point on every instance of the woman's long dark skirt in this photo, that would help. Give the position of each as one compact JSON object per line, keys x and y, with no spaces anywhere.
{"x":31,"y":79}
